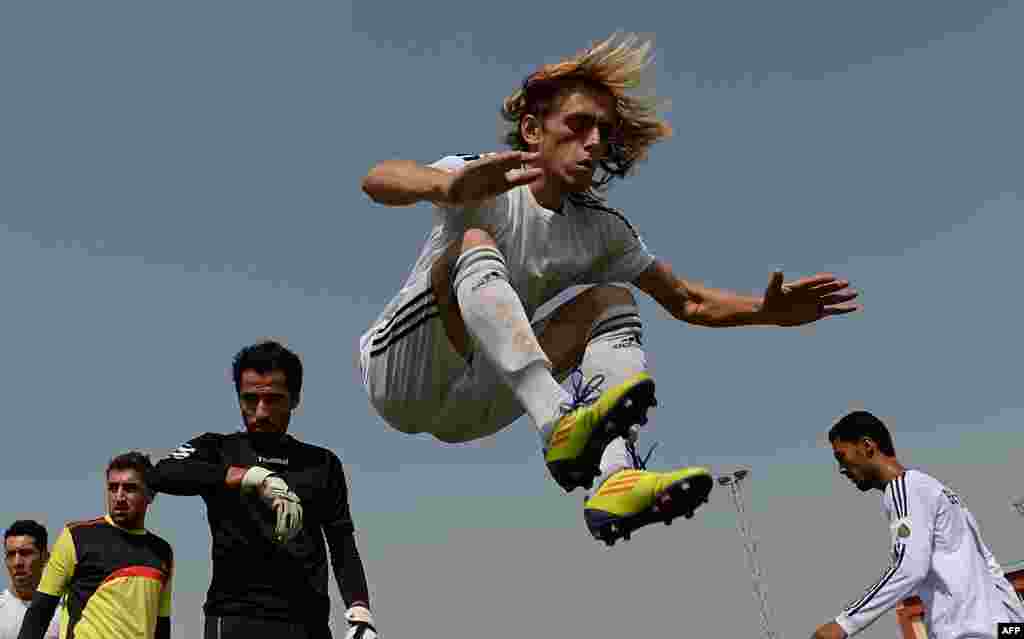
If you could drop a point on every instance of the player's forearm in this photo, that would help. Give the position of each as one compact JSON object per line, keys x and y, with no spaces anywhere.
{"x":38,"y":616}
{"x":900,"y":581}
{"x":403,"y":182}
{"x":163,"y":628}
{"x":348,"y":568}
{"x":188,"y":477}
{"x":721,"y":308}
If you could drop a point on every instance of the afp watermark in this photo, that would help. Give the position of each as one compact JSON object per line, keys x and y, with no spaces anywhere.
{"x":1010,"y":629}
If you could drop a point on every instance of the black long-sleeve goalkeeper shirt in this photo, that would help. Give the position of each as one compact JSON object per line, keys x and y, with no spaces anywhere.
{"x":252,"y":575}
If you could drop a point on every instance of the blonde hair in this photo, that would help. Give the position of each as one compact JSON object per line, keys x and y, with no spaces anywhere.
{"x":616,"y":68}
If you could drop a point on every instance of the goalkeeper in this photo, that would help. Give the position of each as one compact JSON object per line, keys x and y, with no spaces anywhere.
{"x":271,"y":501}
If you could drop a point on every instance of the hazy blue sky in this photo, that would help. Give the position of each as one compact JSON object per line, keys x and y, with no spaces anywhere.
{"x":177,"y":180}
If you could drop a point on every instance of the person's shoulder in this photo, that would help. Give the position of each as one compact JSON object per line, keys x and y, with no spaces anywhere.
{"x":86,"y":523}
{"x":189,"y":448}
{"x":922,"y":481}
{"x":83,"y":530}
{"x":313,"y":450}
{"x":917,"y":484}
{"x":163,"y":547}
{"x":599,"y":211}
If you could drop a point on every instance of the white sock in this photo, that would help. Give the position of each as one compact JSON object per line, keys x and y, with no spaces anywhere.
{"x":615,"y":350}
{"x":496,"y":320}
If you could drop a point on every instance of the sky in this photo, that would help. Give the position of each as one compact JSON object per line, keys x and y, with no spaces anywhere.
{"x":179,"y":180}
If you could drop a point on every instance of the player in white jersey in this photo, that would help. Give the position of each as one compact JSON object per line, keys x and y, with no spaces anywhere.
{"x":937,"y":551}
{"x":25,"y":555}
{"x":455,"y":354}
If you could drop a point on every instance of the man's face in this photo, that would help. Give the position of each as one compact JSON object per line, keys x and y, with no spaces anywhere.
{"x":127,"y":500}
{"x":265,"y":401}
{"x":25,"y":561}
{"x":575,"y":136}
{"x":854,"y":463}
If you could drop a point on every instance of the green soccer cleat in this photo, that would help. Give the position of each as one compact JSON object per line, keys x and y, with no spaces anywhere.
{"x":576,"y":440}
{"x":631,"y":499}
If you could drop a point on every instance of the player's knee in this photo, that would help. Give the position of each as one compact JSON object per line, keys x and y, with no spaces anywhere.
{"x":476,"y":238}
{"x":479,"y":264}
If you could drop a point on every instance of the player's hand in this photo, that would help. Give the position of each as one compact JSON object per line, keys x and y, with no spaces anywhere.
{"x":286,"y":505}
{"x":275,"y":493}
{"x":491,"y":176}
{"x":806,"y":300}
{"x":831,"y":630}
{"x":360,"y":623}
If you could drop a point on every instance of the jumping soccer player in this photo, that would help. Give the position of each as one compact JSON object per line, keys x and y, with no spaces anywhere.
{"x":271,"y":501}
{"x":455,"y":354}
{"x":937,"y":550}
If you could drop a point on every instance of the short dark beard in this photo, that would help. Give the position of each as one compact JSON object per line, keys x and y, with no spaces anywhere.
{"x":133,"y":524}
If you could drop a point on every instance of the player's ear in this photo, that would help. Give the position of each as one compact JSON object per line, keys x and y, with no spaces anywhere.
{"x":868,"y":447}
{"x":530,"y":129}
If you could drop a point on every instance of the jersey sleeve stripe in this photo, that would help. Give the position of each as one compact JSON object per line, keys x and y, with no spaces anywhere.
{"x":902,"y":483}
{"x":898,"y":495}
{"x":899,"y":552}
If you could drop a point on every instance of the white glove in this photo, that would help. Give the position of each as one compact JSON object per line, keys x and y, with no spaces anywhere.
{"x":360,"y":623}
{"x":276,"y":494}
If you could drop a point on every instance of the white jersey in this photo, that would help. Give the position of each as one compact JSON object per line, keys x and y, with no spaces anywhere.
{"x":938,"y":555}
{"x":546,"y":252}
{"x":12,"y":612}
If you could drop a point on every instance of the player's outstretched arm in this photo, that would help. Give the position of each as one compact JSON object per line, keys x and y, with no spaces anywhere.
{"x":404,"y":182}
{"x":784,"y":303}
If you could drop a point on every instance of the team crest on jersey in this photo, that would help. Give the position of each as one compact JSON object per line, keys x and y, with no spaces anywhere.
{"x":900,"y":529}
{"x":182,"y":452}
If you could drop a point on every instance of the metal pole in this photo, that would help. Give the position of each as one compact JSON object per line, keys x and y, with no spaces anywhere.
{"x":734,"y":482}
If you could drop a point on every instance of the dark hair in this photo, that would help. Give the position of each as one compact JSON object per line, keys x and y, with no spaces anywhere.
{"x":861,"y":423}
{"x":265,"y":357}
{"x":134,"y":460}
{"x":29,"y":528}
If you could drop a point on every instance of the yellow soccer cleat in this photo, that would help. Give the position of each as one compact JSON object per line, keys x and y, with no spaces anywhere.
{"x":575,"y":442}
{"x":631,"y":499}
